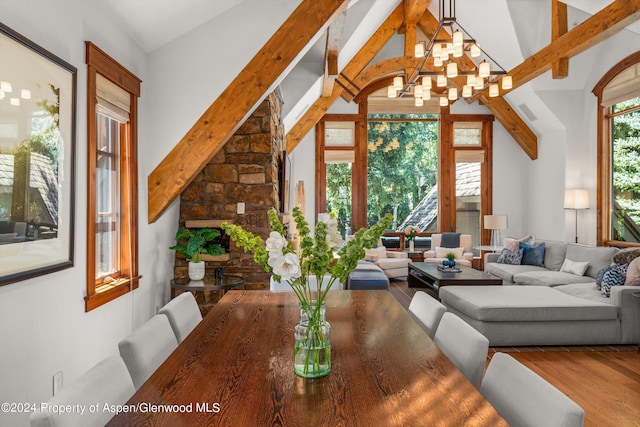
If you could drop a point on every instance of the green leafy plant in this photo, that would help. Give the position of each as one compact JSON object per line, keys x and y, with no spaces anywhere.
{"x":198,"y":242}
{"x":450,"y":256}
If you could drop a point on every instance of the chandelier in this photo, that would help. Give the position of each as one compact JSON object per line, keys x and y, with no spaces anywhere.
{"x":448,"y":65}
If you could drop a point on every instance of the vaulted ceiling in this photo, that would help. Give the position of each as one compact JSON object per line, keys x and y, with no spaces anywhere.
{"x":357,"y":43}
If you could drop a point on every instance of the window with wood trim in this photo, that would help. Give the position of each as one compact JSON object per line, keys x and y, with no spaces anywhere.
{"x":112,"y":216}
{"x":618,"y":199}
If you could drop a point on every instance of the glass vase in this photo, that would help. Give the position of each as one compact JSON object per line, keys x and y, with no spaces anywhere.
{"x":312,"y":352}
{"x":411,"y":246}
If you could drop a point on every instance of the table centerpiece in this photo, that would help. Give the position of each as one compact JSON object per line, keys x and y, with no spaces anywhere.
{"x":315,"y":259}
{"x":410,"y":235}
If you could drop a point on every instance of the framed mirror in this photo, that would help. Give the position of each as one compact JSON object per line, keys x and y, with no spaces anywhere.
{"x":37,"y":159}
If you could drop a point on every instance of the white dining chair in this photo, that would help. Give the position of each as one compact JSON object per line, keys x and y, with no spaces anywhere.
{"x":525,"y":399}
{"x":108,"y":382}
{"x":463,"y":345}
{"x":183,"y":314}
{"x":144,"y":350}
{"x":428,"y":310}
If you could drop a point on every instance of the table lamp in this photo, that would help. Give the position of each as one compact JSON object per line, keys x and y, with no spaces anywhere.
{"x":495,"y":223}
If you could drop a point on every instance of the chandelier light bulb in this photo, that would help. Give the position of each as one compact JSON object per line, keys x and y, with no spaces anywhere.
{"x":484,"y":69}
{"x":457,"y":38}
{"x":445,"y":55}
{"x":391,"y":92}
{"x":426,"y":94}
{"x":479,"y":83}
{"x":25,"y":94}
{"x":457,"y":53}
{"x":419,"y":102}
{"x":15,"y":101}
{"x":437,"y":62}
{"x":466,"y":91}
{"x":450,"y":48}
{"x":471,"y":80}
{"x":437,"y":50}
{"x":6,"y":87}
{"x":444,"y":101}
{"x":441,"y":80}
{"x":426,"y":82}
{"x":452,"y":94}
{"x":452,"y":70}
{"x":493,"y":90}
{"x":507,"y":82}
{"x":417,"y":91}
{"x":418,"y":50}
{"x":474,"y":50}
{"x":398,"y":83}
{"x":1,"y":94}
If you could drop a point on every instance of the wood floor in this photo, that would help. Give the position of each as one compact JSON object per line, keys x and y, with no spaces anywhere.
{"x":603,"y":380}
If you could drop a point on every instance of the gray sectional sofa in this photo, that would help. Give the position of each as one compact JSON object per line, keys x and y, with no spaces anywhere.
{"x":542,"y":305}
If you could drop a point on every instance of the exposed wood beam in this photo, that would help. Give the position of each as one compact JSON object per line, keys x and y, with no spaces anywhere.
{"x":592,"y":31}
{"x":414,"y":9}
{"x":335,"y":37}
{"x":513,"y":124}
{"x":559,"y":27}
{"x":382,"y":35}
{"x":209,"y":134}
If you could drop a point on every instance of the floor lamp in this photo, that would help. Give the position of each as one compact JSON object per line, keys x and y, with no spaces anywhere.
{"x":576,"y":199}
{"x":495,"y":223}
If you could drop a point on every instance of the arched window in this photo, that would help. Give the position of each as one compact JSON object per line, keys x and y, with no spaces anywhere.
{"x":618,"y":93}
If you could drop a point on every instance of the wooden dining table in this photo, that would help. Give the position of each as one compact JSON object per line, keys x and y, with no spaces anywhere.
{"x":236,"y":369}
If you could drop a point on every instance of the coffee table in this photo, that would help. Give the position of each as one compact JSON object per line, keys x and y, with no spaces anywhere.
{"x":427,"y":275}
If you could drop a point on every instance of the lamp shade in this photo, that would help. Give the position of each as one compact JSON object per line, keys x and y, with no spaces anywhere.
{"x":495,"y":222}
{"x":576,"y":199}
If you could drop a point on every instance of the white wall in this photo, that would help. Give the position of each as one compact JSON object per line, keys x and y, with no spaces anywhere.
{"x":43,"y":325}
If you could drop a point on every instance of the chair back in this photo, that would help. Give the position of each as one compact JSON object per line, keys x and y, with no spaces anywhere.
{"x":463,"y":345}
{"x":144,"y":350}
{"x":523,"y":398}
{"x":183,"y":314}
{"x":428,"y":310}
{"x":466,"y":241}
{"x":108,"y":382}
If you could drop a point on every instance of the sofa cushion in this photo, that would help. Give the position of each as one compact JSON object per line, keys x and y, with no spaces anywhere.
{"x":507,"y":271}
{"x":441,"y":252}
{"x":554,"y":254}
{"x":523,"y":304}
{"x":633,"y":273}
{"x":549,"y":278}
{"x":8,"y":237}
{"x":533,"y":255}
{"x":586,"y":290}
{"x":574,"y":267}
{"x":513,"y":257}
{"x":598,"y":256}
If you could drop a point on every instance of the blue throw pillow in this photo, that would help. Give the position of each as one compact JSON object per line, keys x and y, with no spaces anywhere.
{"x":613,"y":277}
{"x":532,"y":254}
{"x":510,"y":257}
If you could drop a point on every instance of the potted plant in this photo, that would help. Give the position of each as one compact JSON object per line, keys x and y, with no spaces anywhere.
{"x":451,"y":259}
{"x":199,"y":241}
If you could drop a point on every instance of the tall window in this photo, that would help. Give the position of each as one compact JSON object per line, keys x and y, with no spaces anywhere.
{"x":619,"y":154}
{"x":112,"y":217}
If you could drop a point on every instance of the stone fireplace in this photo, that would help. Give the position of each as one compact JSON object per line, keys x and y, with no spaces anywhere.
{"x":245,"y":171}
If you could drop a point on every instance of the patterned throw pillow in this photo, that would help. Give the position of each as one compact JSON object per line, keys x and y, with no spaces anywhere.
{"x":614,"y":277}
{"x":600,"y":275}
{"x":510,"y":257}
